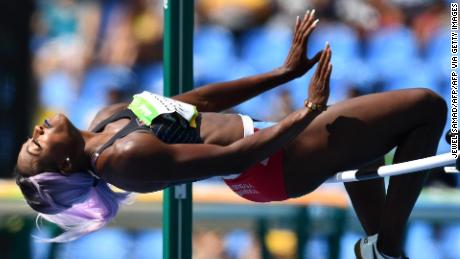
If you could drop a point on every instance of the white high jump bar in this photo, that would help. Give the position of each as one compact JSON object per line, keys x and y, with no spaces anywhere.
{"x":395,"y":169}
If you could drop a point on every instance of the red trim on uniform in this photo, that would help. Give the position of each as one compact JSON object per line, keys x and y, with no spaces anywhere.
{"x":262,"y":182}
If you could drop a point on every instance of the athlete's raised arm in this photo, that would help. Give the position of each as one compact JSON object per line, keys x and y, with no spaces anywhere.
{"x":220,"y":96}
{"x":150,"y":160}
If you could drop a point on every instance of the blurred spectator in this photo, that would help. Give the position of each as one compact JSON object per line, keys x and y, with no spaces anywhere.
{"x":239,"y":14}
{"x":389,"y":14}
{"x":65,"y":25}
{"x":208,"y":244}
{"x":281,"y":243}
{"x":65,"y":33}
{"x":241,"y":244}
{"x":429,"y":21}
{"x":358,"y":13}
{"x":57,"y":18}
{"x":134,"y":33}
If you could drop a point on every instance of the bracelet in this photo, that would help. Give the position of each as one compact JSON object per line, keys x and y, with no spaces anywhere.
{"x":315,"y":106}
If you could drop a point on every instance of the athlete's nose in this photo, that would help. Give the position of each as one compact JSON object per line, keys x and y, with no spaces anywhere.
{"x":38,"y":130}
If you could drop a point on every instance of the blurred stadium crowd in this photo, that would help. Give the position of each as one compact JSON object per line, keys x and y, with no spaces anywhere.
{"x":88,"y":54}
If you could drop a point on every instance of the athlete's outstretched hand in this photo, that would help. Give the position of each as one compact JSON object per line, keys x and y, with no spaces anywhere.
{"x":297,"y":63}
{"x":318,"y":91}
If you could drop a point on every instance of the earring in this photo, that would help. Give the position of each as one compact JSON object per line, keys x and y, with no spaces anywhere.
{"x":67,"y":160}
{"x":66,"y":166}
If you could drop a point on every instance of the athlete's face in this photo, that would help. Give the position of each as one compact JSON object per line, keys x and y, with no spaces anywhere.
{"x":50,"y":144}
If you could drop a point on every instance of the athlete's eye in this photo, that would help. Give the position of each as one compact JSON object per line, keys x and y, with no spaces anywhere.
{"x":47,"y":123}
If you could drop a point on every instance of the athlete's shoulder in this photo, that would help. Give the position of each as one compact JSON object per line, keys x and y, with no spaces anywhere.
{"x":106,"y":112}
{"x":134,"y":155}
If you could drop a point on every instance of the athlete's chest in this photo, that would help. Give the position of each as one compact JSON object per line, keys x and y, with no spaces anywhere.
{"x":115,"y":126}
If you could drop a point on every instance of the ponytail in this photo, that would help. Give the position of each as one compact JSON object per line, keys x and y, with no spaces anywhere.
{"x":78,"y":203}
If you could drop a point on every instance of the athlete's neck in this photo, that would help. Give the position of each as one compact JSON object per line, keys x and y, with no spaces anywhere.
{"x":93,"y":141}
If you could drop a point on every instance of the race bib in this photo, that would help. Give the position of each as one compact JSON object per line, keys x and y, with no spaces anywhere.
{"x":147,"y":106}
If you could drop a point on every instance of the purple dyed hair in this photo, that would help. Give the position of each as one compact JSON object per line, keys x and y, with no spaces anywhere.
{"x":77,"y":203}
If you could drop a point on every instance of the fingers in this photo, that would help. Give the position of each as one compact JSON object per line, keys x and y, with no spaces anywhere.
{"x":307,"y":15}
{"x":299,"y":30}
{"x":324,"y":63}
{"x":308,"y":25}
{"x":308,"y":18}
{"x":297,"y":26}
{"x":310,"y":29}
{"x":318,"y":68}
{"x":303,"y":28}
{"x":325,"y":67}
{"x":328,"y":75}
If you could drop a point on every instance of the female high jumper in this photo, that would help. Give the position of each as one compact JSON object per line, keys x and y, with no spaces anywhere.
{"x":155,"y":142}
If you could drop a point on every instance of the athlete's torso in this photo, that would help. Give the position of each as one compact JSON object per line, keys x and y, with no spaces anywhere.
{"x":213,"y":128}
